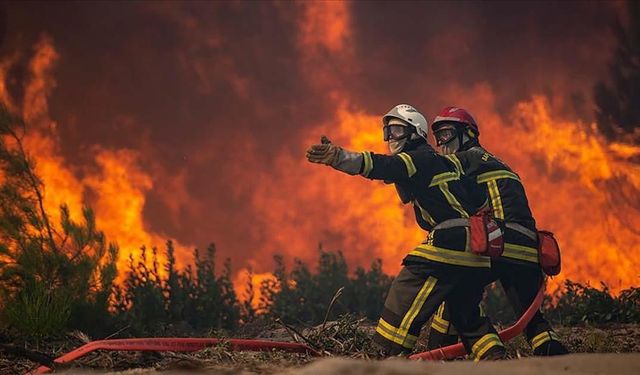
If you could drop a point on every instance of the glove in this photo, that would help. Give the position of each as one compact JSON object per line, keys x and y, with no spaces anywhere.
{"x":324,"y":153}
{"x":335,"y":156}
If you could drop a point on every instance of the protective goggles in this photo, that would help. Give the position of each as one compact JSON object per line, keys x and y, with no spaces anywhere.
{"x":396,"y":132}
{"x":445,"y":134}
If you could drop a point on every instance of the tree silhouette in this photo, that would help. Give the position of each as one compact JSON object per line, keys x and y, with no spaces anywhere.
{"x":618,"y":101}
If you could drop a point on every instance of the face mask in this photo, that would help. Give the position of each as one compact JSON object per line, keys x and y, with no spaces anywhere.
{"x":396,"y":146}
{"x":450,"y":147}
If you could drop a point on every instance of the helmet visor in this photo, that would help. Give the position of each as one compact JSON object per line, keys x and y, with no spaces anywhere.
{"x":396,"y":132}
{"x":445,"y":135}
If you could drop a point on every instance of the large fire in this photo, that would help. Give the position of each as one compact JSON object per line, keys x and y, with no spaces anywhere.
{"x":580,"y":186}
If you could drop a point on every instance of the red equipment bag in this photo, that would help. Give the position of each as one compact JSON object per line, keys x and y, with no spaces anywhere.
{"x":549,"y":253}
{"x":486,"y":235}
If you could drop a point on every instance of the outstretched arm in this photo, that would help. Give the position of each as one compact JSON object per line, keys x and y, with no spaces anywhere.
{"x":368,"y":164}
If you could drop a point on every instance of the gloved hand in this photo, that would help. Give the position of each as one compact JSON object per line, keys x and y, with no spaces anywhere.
{"x":324,"y":153}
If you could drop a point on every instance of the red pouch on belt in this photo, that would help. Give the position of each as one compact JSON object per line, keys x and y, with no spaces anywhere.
{"x":549,"y":253}
{"x":486,"y":235}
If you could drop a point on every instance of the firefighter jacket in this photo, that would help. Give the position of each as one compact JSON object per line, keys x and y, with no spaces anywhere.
{"x":432,"y":183}
{"x":489,"y":180}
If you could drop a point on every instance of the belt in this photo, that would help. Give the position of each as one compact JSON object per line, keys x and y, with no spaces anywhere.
{"x":464,"y":222}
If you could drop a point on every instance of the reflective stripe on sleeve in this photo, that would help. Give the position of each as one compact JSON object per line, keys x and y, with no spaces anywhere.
{"x":496,"y":175}
{"x":368,"y":163}
{"x":406,"y":158}
{"x":496,"y":200}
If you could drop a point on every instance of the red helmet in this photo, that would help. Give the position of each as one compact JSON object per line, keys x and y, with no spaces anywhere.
{"x":455,"y":114}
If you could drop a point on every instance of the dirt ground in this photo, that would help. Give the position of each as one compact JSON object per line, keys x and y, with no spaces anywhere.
{"x":613,"y":349}
{"x":587,"y":364}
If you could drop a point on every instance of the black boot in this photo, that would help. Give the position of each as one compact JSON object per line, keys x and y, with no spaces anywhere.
{"x":549,"y":348}
{"x":496,"y":353}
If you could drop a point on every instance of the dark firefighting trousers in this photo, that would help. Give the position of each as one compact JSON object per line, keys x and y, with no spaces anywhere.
{"x":521,"y":284}
{"x":415,"y":294}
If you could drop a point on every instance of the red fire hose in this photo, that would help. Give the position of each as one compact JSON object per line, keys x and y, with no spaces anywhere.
{"x":170,"y":344}
{"x":458,"y":350}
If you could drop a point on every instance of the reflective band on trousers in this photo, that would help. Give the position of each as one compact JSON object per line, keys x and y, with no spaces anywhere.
{"x":390,"y":333}
{"x":401,"y":334}
{"x":458,"y":258}
{"x":440,"y":325}
{"x":485,"y":343}
{"x":543,"y":337}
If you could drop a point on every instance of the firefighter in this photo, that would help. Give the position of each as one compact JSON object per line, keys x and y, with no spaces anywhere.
{"x":441,"y":267}
{"x":491,"y":181}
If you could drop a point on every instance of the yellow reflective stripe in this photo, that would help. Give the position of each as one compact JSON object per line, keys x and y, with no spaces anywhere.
{"x":453,"y":202}
{"x":543,"y":337}
{"x":459,"y":258}
{"x":411,"y":168}
{"x":454,"y":159}
{"x":440,"y":311}
{"x":391,"y":333}
{"x":368,"y":163}
{"x":425,"y":214}
{"x":444,"y":178}
{"x":496,"y":175}
{"x":496,"y":201}
{"x":438,"y":326}
{"x":485,"y":343}
{"x":528,"y":254}
{"x":417,"y":304}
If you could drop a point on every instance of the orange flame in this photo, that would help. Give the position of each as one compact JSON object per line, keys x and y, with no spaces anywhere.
{"x":118,"y":183}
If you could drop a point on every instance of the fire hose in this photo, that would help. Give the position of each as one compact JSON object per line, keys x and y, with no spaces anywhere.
{"x":171,"y":344}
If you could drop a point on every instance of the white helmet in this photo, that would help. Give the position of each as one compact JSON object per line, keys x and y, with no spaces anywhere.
{"x":409,"y":115}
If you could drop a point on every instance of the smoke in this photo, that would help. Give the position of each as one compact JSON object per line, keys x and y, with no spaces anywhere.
{"x":208,"y":107}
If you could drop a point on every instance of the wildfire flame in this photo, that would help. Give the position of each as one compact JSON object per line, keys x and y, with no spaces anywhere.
{"x":117,"y":182}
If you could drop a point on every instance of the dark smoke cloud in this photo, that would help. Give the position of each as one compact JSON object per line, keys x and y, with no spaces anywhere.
{"x":196,"y":86}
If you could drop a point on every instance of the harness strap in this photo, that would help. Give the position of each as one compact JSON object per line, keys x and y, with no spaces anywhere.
{"x":452,"y":223}
{"x":464,"y":222}
{"x":522,"y":229}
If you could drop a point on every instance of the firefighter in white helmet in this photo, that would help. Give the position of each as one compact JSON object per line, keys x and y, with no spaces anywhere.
{"x":440,"y":268}
{"x":492,"y":182}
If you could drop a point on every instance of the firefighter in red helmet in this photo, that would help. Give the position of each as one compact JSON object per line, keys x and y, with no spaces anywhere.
{"x":440,"y":268}
{"x":491,"y":182}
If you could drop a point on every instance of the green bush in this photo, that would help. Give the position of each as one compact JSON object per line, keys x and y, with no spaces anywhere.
{"x":583,"y":304}
{"x":302,"y":296}
{"x":49,"y":272}
{"x":178,"y":302}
